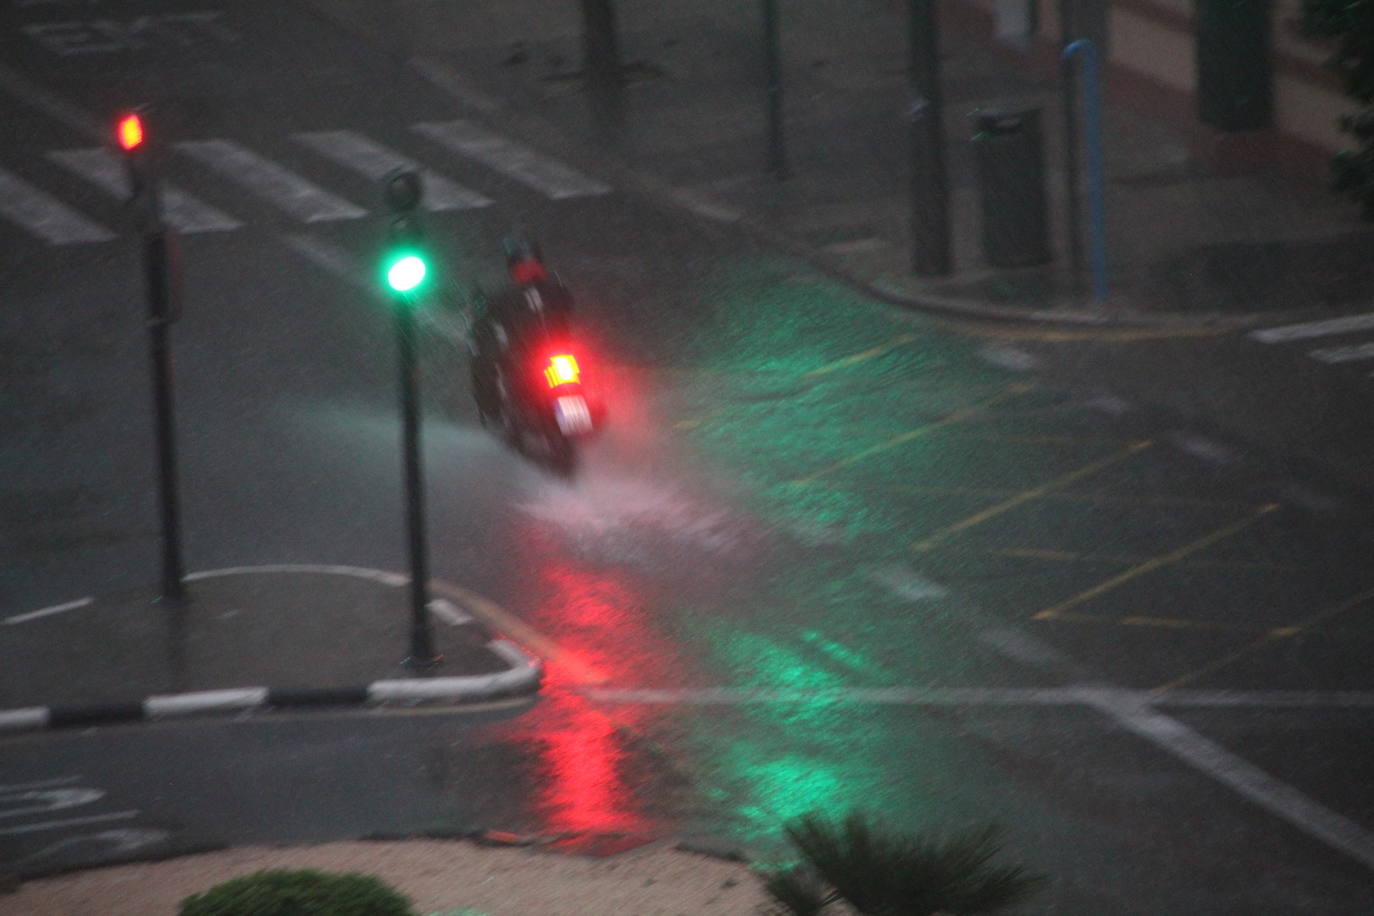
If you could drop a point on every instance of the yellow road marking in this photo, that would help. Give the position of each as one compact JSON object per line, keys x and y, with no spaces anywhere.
{"x":957,"y":417}
{"x":1272,"y":636}
{"x":1069,"y":556}
{"x":1151,"y":565}
{"x":1069,"y":335}
{"x":993,"y":493}
{"x":1169,"y":623}
{"x":1035,"y":493}
{"x":868,"y":354}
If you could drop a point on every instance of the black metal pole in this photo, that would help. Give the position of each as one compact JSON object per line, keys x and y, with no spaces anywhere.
{"x":777,"y":157}
{"x":161,"y":314}
{"x":422,"y":653}
{"x":1068,"y":81}
{"x":930,"y":254}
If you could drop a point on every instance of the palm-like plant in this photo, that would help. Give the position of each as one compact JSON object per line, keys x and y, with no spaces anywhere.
{"x":880,"y":873}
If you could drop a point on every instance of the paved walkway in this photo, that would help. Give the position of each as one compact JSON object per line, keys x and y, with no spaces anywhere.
{"x":1183,"y":241}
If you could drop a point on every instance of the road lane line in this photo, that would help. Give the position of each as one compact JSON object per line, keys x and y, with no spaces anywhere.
{"x":1310,"y":329}
{"x":1151,"y":565}
{"x":957,"y":417}
{"x":183,"y":212}
{"x":48,"y":611}
{"x":514,"y":160}
{"x":45,"y":216}
{"x":271,"y":182}
{"x":978,"y":518}
{"x":1213,"y":760}
{"x":857,"y":358}
{"x":1270,"y":637}
{"x":372,"y":160}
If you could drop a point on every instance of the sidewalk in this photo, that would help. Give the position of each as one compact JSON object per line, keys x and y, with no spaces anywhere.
{"x":248,"y":638}
{"x":1184,"y":243}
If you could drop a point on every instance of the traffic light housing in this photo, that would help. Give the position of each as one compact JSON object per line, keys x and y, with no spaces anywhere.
{"x":404,"y":265}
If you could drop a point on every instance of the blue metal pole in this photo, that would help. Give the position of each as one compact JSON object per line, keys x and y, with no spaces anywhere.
{"x":1092,"y":128}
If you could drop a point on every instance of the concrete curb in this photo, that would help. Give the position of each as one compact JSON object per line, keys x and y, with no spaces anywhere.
{"x":522,"y":679}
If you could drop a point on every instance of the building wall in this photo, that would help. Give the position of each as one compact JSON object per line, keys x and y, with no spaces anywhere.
{"x":1151,"y":65}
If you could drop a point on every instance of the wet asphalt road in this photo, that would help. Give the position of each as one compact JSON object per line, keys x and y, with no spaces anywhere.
{"x":827,"y":555}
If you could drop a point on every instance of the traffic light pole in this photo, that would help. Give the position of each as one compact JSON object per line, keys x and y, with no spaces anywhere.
{"x":162,"y":312}
{"x":160,"y":317}
{"x":422,"y":654}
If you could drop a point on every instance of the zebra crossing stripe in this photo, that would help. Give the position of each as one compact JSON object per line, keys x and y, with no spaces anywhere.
{"x":1344,"y":354}
{"x":46,"y":216}
{"x":546,"y":175}
{"x":373,"y":160}
{"x":104,"y":169}
{"x":1312,"y":329}
{"x":277,"y":185}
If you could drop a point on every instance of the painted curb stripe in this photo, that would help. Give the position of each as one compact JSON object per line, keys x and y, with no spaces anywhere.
{"x":99,"y":714}
{"x":313,"y":696}
{"x":19,"y":720}
{"x":189,"y":704}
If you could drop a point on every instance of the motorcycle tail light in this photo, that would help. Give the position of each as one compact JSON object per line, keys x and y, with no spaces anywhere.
{"x":562,"y":370}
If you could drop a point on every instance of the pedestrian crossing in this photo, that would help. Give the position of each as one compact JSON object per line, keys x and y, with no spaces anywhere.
{"x":1326,"y":331}
{"x":247,"y":173}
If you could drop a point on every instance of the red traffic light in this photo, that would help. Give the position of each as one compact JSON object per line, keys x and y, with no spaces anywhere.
{"x":129,"y":132}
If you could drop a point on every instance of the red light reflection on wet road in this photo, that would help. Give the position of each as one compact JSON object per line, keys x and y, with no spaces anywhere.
{"x":589,"y":778}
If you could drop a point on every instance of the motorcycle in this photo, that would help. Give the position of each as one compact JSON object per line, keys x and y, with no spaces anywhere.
{"x":543,"y":403}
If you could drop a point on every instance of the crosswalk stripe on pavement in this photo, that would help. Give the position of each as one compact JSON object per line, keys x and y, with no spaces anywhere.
{"x":274,"y":183}
{"x":362,"y":155}
{"x":1348,"y":354}
{"x":182,"y":211}
{"x":44,"y":215}
{"x":1310,"y":329}
{"x":512,"y":159}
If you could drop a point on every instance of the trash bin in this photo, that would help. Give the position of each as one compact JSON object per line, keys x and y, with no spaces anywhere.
{"x":1010,"y":167}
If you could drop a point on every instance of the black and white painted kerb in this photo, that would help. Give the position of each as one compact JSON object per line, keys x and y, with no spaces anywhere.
{"x":523,"y":677}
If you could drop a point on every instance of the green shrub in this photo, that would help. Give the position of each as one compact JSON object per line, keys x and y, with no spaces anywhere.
{"x":880,"y":872}
{"x":298,"y":893}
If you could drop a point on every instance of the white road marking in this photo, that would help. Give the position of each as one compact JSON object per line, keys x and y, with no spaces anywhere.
{"x":372,"y":160}
{"x":48,"y":611}
{"x":330,"y":257}
{"x":41,"y":783}
{"x":63,"y":112}
{"x":46,"y":216}
{"x":69,"y":822}
{"x":53,"y":799}
{"x":1310,"y":329}
{"x":357,"y":572}
{"x":447,"y":79}
{"x":186,"y":704}
{"x":515,"y":160}
{"x":182,"y":211}
{"x":1132,"y":709}
{"x":449,"y":613}
{"x":273,"y":183}
{"x":1333,"y":355}
{"x":1203,"y":447}
{"x":1210,"y":758}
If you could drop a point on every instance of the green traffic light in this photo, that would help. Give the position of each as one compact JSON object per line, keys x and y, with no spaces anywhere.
{"x":406,"y":273}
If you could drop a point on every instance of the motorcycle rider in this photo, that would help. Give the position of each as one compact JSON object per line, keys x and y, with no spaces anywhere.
{"x":501,"y":321}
